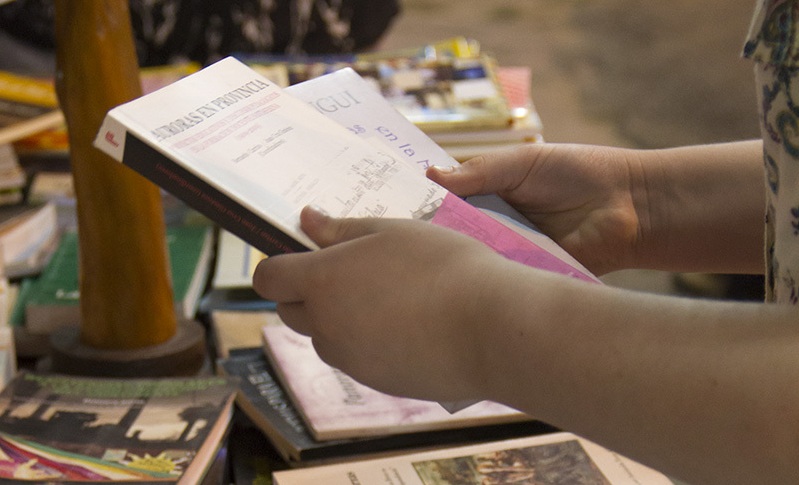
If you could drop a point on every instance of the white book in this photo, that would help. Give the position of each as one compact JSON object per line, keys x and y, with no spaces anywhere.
{"x":557,"y":458}
{"x":250,"y":156}
{"x":335,"y":406}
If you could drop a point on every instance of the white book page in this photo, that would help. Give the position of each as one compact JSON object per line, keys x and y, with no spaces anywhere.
{"x":356,"y":104}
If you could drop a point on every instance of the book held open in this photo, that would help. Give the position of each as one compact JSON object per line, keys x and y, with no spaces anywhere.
{"x":250,"y":156}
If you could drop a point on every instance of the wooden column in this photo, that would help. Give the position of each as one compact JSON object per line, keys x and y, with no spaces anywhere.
{"x":125,"y":288}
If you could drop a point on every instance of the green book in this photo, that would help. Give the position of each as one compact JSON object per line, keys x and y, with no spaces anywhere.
{"x":52,"y":299}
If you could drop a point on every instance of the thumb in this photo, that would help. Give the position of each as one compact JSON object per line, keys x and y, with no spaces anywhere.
{"x":492,"y":172}
{"x":327,"y":231}
{"x":464,"y":179}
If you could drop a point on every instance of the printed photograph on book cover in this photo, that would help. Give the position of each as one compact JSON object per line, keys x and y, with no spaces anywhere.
{"x":550,"y":464}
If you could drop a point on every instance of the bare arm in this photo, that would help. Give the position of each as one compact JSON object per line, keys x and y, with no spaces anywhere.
{"x":698,"y":208}
{"x":704,"y":391}
{"x":706,"y":207}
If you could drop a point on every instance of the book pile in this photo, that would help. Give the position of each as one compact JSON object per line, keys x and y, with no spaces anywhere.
{"x":304,"y":422}
{"x":38,"y":221}
{"x":311,"y":412}
{"x":458,"y":95}
{"x":28,"y":232}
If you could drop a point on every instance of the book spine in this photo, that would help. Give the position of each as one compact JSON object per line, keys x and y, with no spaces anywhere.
{"x":206,"y":199}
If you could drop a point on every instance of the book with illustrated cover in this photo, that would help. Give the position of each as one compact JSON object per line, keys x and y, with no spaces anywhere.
{"x":552,"y":459}
{"x":66,"y":429}
{"x":335,"y":406}
{"x":249,"y":156}
{"x":263,"y":400}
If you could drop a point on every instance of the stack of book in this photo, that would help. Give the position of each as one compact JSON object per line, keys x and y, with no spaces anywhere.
{"x":28,"y":232}
{"x":312,"y":413}
{"x":305,"y":423}
{"x":461,"y":97}
{"x":38,"y":220}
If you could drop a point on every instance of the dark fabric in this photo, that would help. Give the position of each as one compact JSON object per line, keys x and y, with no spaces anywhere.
{"x":205,"y":30}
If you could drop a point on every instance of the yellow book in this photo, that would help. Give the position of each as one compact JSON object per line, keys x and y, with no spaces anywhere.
{"x":27,"y":106}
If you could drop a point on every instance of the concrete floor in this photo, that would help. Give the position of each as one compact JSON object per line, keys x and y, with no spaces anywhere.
{"x":642,"y":74}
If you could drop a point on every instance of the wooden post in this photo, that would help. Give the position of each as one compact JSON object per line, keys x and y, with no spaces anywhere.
{"x":125,"y":288}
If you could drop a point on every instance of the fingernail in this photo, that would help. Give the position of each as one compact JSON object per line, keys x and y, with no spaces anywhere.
{"x":316,"y":213}
{"x":448,"y":169}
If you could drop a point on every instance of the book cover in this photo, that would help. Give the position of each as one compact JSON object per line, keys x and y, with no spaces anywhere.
{"x":263,"y":400}
{"x":553,"y":459}
{"x":53,"y":299}
{"x":65,"y":429}
{"x":335,"y":406}
{"x":249,"y":156}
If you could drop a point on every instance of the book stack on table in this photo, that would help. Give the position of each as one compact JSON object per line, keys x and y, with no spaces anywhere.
{"x":303,"y":422}
{"x":458,"y":95}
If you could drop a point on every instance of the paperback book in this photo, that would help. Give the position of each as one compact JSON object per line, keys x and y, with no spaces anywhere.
{"x":65,"y":429}
{"x":250,"y":156}
{"x":335,"y":406}
{"x":262,"y":398}
{"x":553,"y":459}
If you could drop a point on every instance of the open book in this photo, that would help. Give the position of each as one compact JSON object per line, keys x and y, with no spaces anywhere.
{"x":250,"y":156}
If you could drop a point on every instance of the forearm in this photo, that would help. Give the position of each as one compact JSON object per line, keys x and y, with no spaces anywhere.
{"x":686,"y":386}
{"x":702,"y":208}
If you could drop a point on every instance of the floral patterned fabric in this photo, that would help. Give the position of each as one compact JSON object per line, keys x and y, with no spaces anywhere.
{"x":205,"y":30}
{"x":774,"y":45}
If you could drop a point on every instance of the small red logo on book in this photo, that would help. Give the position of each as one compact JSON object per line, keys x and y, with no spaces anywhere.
{"x":109,"y":137}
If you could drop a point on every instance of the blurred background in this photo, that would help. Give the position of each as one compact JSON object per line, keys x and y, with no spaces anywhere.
{"x":644,"y":74}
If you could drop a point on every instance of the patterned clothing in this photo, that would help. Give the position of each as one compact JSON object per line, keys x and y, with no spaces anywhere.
{"x":168,"y":31}
{"x":774,"y":46}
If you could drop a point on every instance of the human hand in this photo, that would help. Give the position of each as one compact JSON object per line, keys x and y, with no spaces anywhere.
{"x":584,"y":197}
{"x":396,"y":304}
